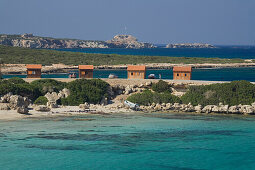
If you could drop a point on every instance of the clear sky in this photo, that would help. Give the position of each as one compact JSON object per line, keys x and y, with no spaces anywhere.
{"x":221,"y":22}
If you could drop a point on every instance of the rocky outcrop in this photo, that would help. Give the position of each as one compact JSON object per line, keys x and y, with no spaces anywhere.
{"x":54,"y":97}
{"x":127,"y":41}
{"x":31,"y":41}
{"x":177,"y":107}
{"x":14,"y":102}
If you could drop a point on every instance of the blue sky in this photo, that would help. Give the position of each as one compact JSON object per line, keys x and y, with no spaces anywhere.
{"x":222,"y":22}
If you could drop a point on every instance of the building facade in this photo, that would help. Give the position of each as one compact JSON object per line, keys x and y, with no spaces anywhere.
{"x":136,"y":72}
{"x":86,"y":71}
{"x":34,"y":71}
{"x":182,"y":72}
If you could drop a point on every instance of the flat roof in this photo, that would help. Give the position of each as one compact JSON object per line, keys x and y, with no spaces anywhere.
{"x":136,"y":68}
{"x":86,"y":67}
{"x":34,"y":66}
{"x":182,"y":68}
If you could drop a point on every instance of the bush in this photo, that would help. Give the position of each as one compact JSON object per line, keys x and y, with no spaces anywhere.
{"x":19,"y":87}
{"x":48,"y":85}
{"x":147,"y":97}
{"x":161,"y":86}
{"x":41,"y":100}
{"x":234,"y":93}
{"x":83,"y":90}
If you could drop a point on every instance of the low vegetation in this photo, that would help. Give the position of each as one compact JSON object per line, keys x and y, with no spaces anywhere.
{"x":148,"y":97}
{"x":48,"y":85}
{"x":161,"y":86}
{"x":83,"y":90}
{"x":41,"y":100}
{"x":234,"y":93}
{"x":20,"y":87}
{"x":17,"y":55}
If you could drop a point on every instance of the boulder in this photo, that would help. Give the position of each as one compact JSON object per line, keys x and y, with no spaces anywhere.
{"x":246,"y":109}
{"x":84,"y":106}
{"x":42,"y":108}
{"x":64,"y":93}
{"x":22,"y":110}
{"x":223,"y":108}
{"x":177,"y":106}
{"x":157,"y":107}
{"x":198,"y":108}
{"x":6,"y":98}
{"x":52,"y":104}
{"x":4,"y":106}
{"x":18,"y":101}
{"x":233,"y":109}
{"x":208,"y":109}
{"x":148,"y":83}
{"x":168,"y":106}
{"x":52,"y":96}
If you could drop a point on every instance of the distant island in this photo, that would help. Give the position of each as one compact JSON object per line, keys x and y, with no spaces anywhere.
{"x":118,"y":41}
{"x":190,"y":45}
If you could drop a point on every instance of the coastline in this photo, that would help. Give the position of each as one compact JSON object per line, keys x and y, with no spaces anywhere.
{"x":79,"y":115}
{"x":62,"y":68}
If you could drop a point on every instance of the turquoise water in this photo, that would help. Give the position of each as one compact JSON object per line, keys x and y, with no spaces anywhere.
{"x":151,"y":141}
{"x":223,"y":52}
{"x":224,"y":74}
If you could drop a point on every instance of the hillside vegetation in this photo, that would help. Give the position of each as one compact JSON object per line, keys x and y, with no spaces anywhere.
{"x":17,"y":55}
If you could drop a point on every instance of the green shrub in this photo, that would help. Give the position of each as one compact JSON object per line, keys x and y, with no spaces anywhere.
{"x":20,"y":87}
{"x":41,"y":100}
{"x":83,"y":90}
{"x":147,"y":97}
{"x":161,"y":86}
{"x":48,"y":85}
{"x":234,"y":93}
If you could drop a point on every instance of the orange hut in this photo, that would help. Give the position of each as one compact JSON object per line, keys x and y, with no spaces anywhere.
{"x":136,"y":72}
{"x":182,"y":72}
{"x":34,"y":70}
{"x":86,"y":71}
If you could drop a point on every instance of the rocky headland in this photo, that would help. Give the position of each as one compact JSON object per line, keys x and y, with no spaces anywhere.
{"x":31,"y":41}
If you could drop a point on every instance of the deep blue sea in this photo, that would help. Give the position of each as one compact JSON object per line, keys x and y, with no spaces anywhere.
{"x":222,"y":52}
{"x":220,"y":74}
{"x":108,"y":142}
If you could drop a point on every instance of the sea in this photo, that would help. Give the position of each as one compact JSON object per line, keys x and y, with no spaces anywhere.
{"x":129,"y":141}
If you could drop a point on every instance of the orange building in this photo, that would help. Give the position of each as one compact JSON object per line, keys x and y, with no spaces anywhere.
{"x":34,"y":71}
{"x":136,"y":72}
{"x":182,"y":73}
{"x":86,"y":71}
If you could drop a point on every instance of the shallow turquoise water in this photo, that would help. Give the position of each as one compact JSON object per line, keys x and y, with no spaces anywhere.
{"x":151,"y":141}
